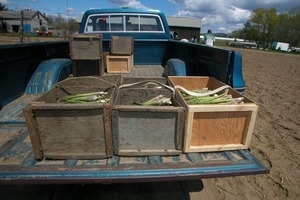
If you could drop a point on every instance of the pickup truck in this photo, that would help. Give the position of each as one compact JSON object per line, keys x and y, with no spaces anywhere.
{"x":29,"y":70}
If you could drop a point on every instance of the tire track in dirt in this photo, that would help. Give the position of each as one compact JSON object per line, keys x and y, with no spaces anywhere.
{"x":272,"y":80}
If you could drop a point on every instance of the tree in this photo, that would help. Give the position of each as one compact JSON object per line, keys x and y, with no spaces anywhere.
{"x":294,"y":27}
{"x":3,"y":7}
{"x":250,"y":32}
{"x":265,"y":26}
{"x":265,"y":21}
{"x":66,"y":26}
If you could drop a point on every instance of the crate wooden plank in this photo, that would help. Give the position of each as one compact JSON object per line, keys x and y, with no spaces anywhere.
{"x":215,"y":127}
{"x":119,"y":64}
{"x":121,"y":45}
{"x":146,"y":130}
{"x":86,"y":46}
{"x":87,"y":67}
{"x":71,"y":131}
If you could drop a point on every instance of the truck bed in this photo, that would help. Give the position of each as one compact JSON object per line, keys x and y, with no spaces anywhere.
{"x":17,"y":163}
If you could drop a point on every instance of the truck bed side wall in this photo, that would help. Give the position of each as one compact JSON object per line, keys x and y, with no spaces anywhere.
{"x":201,"y":60}
{"x":18,"y":63}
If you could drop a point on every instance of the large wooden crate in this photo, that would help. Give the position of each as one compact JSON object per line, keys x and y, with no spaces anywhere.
{"x":215,"y":127}
{"x":86,"y":46}
{"x":72,"y":131}
{"x":146,"y":130}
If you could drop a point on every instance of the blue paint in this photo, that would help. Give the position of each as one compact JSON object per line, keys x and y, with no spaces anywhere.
{"x":174,"y":67}
{"x":47,"y":74}
{"x":238,"y":82}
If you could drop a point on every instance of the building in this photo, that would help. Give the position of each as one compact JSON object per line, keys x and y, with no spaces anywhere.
{"x":10,"y":21}
{"x":185,"y":27}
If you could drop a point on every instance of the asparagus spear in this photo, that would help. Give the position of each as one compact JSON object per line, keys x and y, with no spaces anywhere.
{"x":86,"y":97}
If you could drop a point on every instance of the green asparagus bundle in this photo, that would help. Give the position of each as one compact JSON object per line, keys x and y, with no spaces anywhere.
{"x":160,"y":100}
{"x":206,"y":96}
{"x":86,"y":98}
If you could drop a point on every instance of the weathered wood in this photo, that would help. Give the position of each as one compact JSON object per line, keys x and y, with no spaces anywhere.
{"x":88,"y":67}
{"x":72,"y":131}
{"x":86,"y":46}
{"x":120,"y":45}
{"x":33,"y":133}
{"x":215,"y":127}
{"x":146,"y":130}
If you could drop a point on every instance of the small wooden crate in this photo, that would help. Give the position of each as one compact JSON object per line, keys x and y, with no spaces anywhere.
{"x":146,"y":130}
{"x":215,"y":127}
{"x":121,"y":45}
{"x":71,"y":131}
{"x":119,"y":64}
{"x":86,"y":46}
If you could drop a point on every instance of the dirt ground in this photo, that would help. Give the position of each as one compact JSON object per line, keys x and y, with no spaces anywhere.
{"x":273,"y":81}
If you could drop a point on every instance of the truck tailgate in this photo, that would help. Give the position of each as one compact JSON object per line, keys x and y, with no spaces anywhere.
{"x":17,"y":165}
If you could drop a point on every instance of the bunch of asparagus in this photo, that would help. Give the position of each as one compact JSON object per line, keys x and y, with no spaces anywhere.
{"x":159,"y":100}
{"x":86,"y":98}
{"x":206,"y":96}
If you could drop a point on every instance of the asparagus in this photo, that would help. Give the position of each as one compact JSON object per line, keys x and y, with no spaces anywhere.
{"x":205,"y":96}
{"x":160,"y":100}
{"x":85,"y":98}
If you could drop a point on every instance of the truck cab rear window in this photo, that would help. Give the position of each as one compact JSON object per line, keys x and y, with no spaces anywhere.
{"x":123,"y":23}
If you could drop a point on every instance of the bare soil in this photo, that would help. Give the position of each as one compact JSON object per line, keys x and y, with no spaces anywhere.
{"x":273,"y":81}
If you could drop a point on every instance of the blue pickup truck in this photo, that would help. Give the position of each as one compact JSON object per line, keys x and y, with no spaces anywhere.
{"x":29,"y":70}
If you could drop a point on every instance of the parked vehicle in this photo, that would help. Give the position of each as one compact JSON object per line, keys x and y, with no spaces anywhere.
{"x":30,"y":70}
{"x":43,"y":31}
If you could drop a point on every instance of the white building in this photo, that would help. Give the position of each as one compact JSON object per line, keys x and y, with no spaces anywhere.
{"x":32,"y":21}
{"x":280,"y":46}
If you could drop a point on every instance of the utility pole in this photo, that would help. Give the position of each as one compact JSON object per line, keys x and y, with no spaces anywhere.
{"x":21,"y":28}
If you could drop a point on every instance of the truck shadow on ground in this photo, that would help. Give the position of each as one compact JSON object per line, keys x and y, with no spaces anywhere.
{"x":161,"y":190}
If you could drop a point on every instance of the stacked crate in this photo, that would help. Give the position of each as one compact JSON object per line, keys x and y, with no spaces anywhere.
{"x":87,"y":54}
{"x":120,"y":58}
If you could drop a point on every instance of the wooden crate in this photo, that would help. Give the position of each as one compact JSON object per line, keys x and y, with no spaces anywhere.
{"x":71,"y":131}
{"x":87,"y":67}
{"x":121,"y":45}
{"x":146,"y":130}
{"x":215,"y":127}
{"x":105,"y":54}
{"x":86,"y":46}
{"x":119,"y":64}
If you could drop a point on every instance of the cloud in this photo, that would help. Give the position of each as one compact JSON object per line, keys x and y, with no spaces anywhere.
{"x":219,"y":15}
{"x":128,"y":3}
{"x":176,"y":1}
{"x":228,"y":15}
{"x":70,"y":11}
{"x":4,"y":1}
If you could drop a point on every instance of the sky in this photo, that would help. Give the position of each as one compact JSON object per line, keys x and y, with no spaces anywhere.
{"x":221,"y":16}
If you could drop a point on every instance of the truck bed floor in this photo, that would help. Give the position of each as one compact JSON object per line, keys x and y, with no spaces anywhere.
{"x":17,"y":163}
